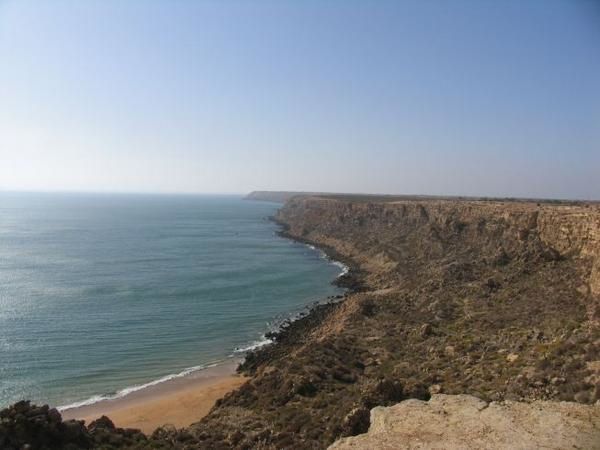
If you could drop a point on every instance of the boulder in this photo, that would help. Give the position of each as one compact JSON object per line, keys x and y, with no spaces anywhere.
{"x":466,"y":422}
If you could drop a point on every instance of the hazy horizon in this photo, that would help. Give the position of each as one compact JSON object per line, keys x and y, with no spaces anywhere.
{"x":242,"y":194}
{"x":469,"y":98}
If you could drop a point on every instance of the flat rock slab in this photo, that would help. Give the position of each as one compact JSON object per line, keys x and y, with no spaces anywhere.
{"x":466,"y":422}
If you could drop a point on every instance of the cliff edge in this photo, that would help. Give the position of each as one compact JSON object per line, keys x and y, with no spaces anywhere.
{"x":465,"y":422}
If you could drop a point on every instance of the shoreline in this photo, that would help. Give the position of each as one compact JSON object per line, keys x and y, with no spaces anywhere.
{"x":184,"y":399}
{"x":296,"y":328}
{"x":349,"y":279}
{"x":178,"y":401}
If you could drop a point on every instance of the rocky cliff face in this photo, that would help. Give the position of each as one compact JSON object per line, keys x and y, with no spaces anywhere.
{"x":388,"y":238}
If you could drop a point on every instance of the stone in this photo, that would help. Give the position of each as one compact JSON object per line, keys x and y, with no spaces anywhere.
{"x":102,"y":423}
{"x":466,"y":422}
{"x":356,"y":422}
{"x":435,"y":389}
{"x":512,"y":357}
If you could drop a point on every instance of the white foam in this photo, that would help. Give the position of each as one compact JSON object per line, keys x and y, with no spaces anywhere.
{"x":257,"y":344}
{"x":123,"y":392}
{"x":345,"y":269}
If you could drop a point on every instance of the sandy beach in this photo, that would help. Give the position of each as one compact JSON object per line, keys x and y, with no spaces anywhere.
{"x":180,"y":402}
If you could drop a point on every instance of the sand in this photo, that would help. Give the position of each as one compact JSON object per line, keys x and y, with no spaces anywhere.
{"x":179,"y":402}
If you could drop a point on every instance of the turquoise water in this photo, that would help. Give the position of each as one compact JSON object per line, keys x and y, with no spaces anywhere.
{"x":100,"y":293}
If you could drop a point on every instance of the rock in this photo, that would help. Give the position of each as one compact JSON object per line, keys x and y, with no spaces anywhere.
{"x":466,"y":422}
{"x":416,"y":389}
{"x":551,"y":254}
{"x":21,"y":407}
{"x":102,"y":423}
{"x":167,"y":431}
{"x":54,"y":416}
{"x":37,"y":411}
{"x":73,"y":430}
{"x":435,"y":389}
{"x":449,"y":350}
{"x":343,"y":376}
{"x":356,"y":422}
{"x":582,"y":397}
{"x":512,"y":357}
{"x":40,"y":427}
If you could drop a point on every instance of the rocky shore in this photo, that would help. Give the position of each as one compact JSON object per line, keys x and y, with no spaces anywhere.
{"x":495,"y":299}
{"x":24,"y":426}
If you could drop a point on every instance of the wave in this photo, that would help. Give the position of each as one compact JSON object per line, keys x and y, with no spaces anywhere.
{"x":257,"y":344}
{"x":129,"y":390}
{"x":344,"y":268}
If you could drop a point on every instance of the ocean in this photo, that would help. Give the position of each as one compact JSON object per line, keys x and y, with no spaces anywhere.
{"x":103,"y":294}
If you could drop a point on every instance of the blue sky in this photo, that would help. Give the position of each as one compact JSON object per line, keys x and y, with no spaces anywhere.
{"x":426,"y":97}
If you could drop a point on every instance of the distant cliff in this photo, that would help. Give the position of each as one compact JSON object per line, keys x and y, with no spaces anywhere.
{"x":274,"y":196}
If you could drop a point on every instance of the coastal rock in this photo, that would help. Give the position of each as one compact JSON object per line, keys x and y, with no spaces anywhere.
{"x":466,"y":422}
{"x":24,"y":425}
{"x":512,"y":357}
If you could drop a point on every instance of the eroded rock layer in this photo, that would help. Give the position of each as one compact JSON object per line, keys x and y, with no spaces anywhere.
{"x":465,"y":422}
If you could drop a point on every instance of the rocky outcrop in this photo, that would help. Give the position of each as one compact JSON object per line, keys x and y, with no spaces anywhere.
{"x":24,"y":426}
{"x":466,"y":422}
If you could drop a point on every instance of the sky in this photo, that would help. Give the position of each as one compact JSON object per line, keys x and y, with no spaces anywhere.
{"x":475,"y":97}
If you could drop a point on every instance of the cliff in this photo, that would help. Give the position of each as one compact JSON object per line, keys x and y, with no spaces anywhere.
{"x":489,"y":298}
{"x":494,"y":299}
{"x":274,"y":196}
{"x":398,"y":234}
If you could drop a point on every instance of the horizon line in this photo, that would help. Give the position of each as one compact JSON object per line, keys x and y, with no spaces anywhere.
{"x":296,"y":191}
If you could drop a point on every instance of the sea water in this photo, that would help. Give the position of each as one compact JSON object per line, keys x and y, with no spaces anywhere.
{"x":101,"y":294}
